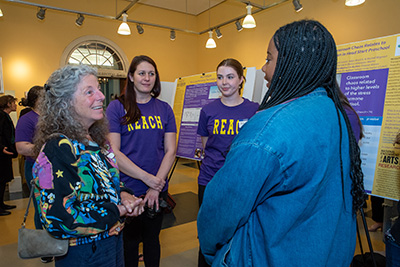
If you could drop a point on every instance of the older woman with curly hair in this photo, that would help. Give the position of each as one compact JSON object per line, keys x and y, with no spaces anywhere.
{"x":78,"y":190}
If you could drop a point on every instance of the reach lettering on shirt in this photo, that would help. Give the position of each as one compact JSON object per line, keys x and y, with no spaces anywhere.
{"x":227,"y":126}
{"x":146,"y":122}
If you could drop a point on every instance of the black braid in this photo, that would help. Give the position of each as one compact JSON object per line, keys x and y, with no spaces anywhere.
{"x":307,"y":59}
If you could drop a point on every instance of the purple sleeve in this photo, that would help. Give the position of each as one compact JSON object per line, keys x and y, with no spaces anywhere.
{"x":171,"y":124}
{"x":114,"y":115}
{"x":202,"y":127}
{"x":25,"y":129}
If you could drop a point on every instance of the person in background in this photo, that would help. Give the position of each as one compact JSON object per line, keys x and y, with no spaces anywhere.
{"x":7,"y":148}
{"x":291,"y":184}
{"x":220,"y":121}
{"x":24,"y":133}
{"x":26,"y":103}
{"x":21,"y":158}
{"x":25,"y":130}
{"x":77,"y":186}
{"x":143,"y":137}
{"x":392,"y":236}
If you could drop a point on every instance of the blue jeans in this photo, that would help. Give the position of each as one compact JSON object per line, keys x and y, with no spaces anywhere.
{"x":104,"y":253}
{"x":29,"y":177}
{"x":392,"y":252}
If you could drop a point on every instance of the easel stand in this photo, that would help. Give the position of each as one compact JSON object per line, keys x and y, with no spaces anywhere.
{"x":368,"y":239}
{"x":176,"y":162}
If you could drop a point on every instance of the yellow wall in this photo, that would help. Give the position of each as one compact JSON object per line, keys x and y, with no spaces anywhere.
{"x":31,"y":49}
{"x":374,"y":18}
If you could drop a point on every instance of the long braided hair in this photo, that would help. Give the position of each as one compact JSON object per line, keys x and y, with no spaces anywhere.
{"x":307,"y":59}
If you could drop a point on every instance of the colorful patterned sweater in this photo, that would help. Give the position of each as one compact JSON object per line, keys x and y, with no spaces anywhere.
{"x":77,"y":190}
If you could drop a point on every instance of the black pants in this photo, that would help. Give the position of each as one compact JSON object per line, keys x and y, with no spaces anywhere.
{"x":146,"y":230}
{"x":377,"y":209}
{"x":201,"y":260}
{"x":2,"y":192}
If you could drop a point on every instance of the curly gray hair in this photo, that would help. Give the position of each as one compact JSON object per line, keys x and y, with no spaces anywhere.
{"x":57,"y":112}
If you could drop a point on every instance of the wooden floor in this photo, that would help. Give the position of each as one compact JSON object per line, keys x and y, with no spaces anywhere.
{"x":179,"y":243}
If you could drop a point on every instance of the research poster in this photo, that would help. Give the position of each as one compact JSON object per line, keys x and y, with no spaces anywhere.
{"x":369,"y":75}
{"x":192,"y":93}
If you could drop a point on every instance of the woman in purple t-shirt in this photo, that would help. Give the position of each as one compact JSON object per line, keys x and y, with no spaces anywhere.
{"x":220,"y":122}
{"x":24,"y":133}
{"x":143,"y":137}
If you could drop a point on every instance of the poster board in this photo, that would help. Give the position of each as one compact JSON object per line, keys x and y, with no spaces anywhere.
{"x":369,"y":75}
{"x":192,"y":93}
{"x":168,"y":92}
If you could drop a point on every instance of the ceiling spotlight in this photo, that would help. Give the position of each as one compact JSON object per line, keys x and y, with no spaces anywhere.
{"x":218,"y":33}
{"x":79,"y":20}
{"x":238,"y":26}
{"x":354,"y":2}
{"x":249,"y":21}
{"x":139,"y":29}
{"x":210,"y":42}
{"x":172,"y":35}
{"x":41,"y":13}
{"x":297,"y":6}
{"x":1,"y":13}
{"x":124,"y":27}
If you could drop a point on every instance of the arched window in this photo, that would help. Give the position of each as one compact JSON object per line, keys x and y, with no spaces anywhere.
{"x":103,"y":54}
{"x":98,"y":52}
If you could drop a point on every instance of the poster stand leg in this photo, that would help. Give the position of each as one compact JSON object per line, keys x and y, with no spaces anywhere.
{"x":173,"y":168}
{"x":359,"y":240}
{"x":176,"y":162}
{"x":368,"y":238}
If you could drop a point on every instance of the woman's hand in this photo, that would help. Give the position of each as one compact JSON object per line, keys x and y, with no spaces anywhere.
{"x":131,"y":169}
{"x":151,"y":198}
{"x":131,"y":205}
{"x":5,"y":151}
{"x":116,"y":229}
{"x":155,"y":183}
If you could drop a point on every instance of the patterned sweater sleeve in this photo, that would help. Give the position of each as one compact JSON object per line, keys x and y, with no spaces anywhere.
{"x":76,"y":194}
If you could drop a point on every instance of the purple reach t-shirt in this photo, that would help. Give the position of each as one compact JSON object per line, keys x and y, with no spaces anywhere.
{"x":25,"y":130}
{"x":142,"y":142}
{"x":220,"y":124}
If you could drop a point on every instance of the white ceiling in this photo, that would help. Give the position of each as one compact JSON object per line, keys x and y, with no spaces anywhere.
{"x":193,"y":7}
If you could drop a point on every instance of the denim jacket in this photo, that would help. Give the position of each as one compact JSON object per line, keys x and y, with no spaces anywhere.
{"x":279,"y":199}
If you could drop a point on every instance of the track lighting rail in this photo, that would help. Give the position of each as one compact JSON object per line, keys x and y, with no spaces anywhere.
{"x":133,"y":2}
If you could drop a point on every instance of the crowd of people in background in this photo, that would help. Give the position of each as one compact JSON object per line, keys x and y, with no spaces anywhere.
{"x":281,"y":187}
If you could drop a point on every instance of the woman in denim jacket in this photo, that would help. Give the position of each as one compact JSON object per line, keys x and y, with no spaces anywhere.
{"x":291,"y":184}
